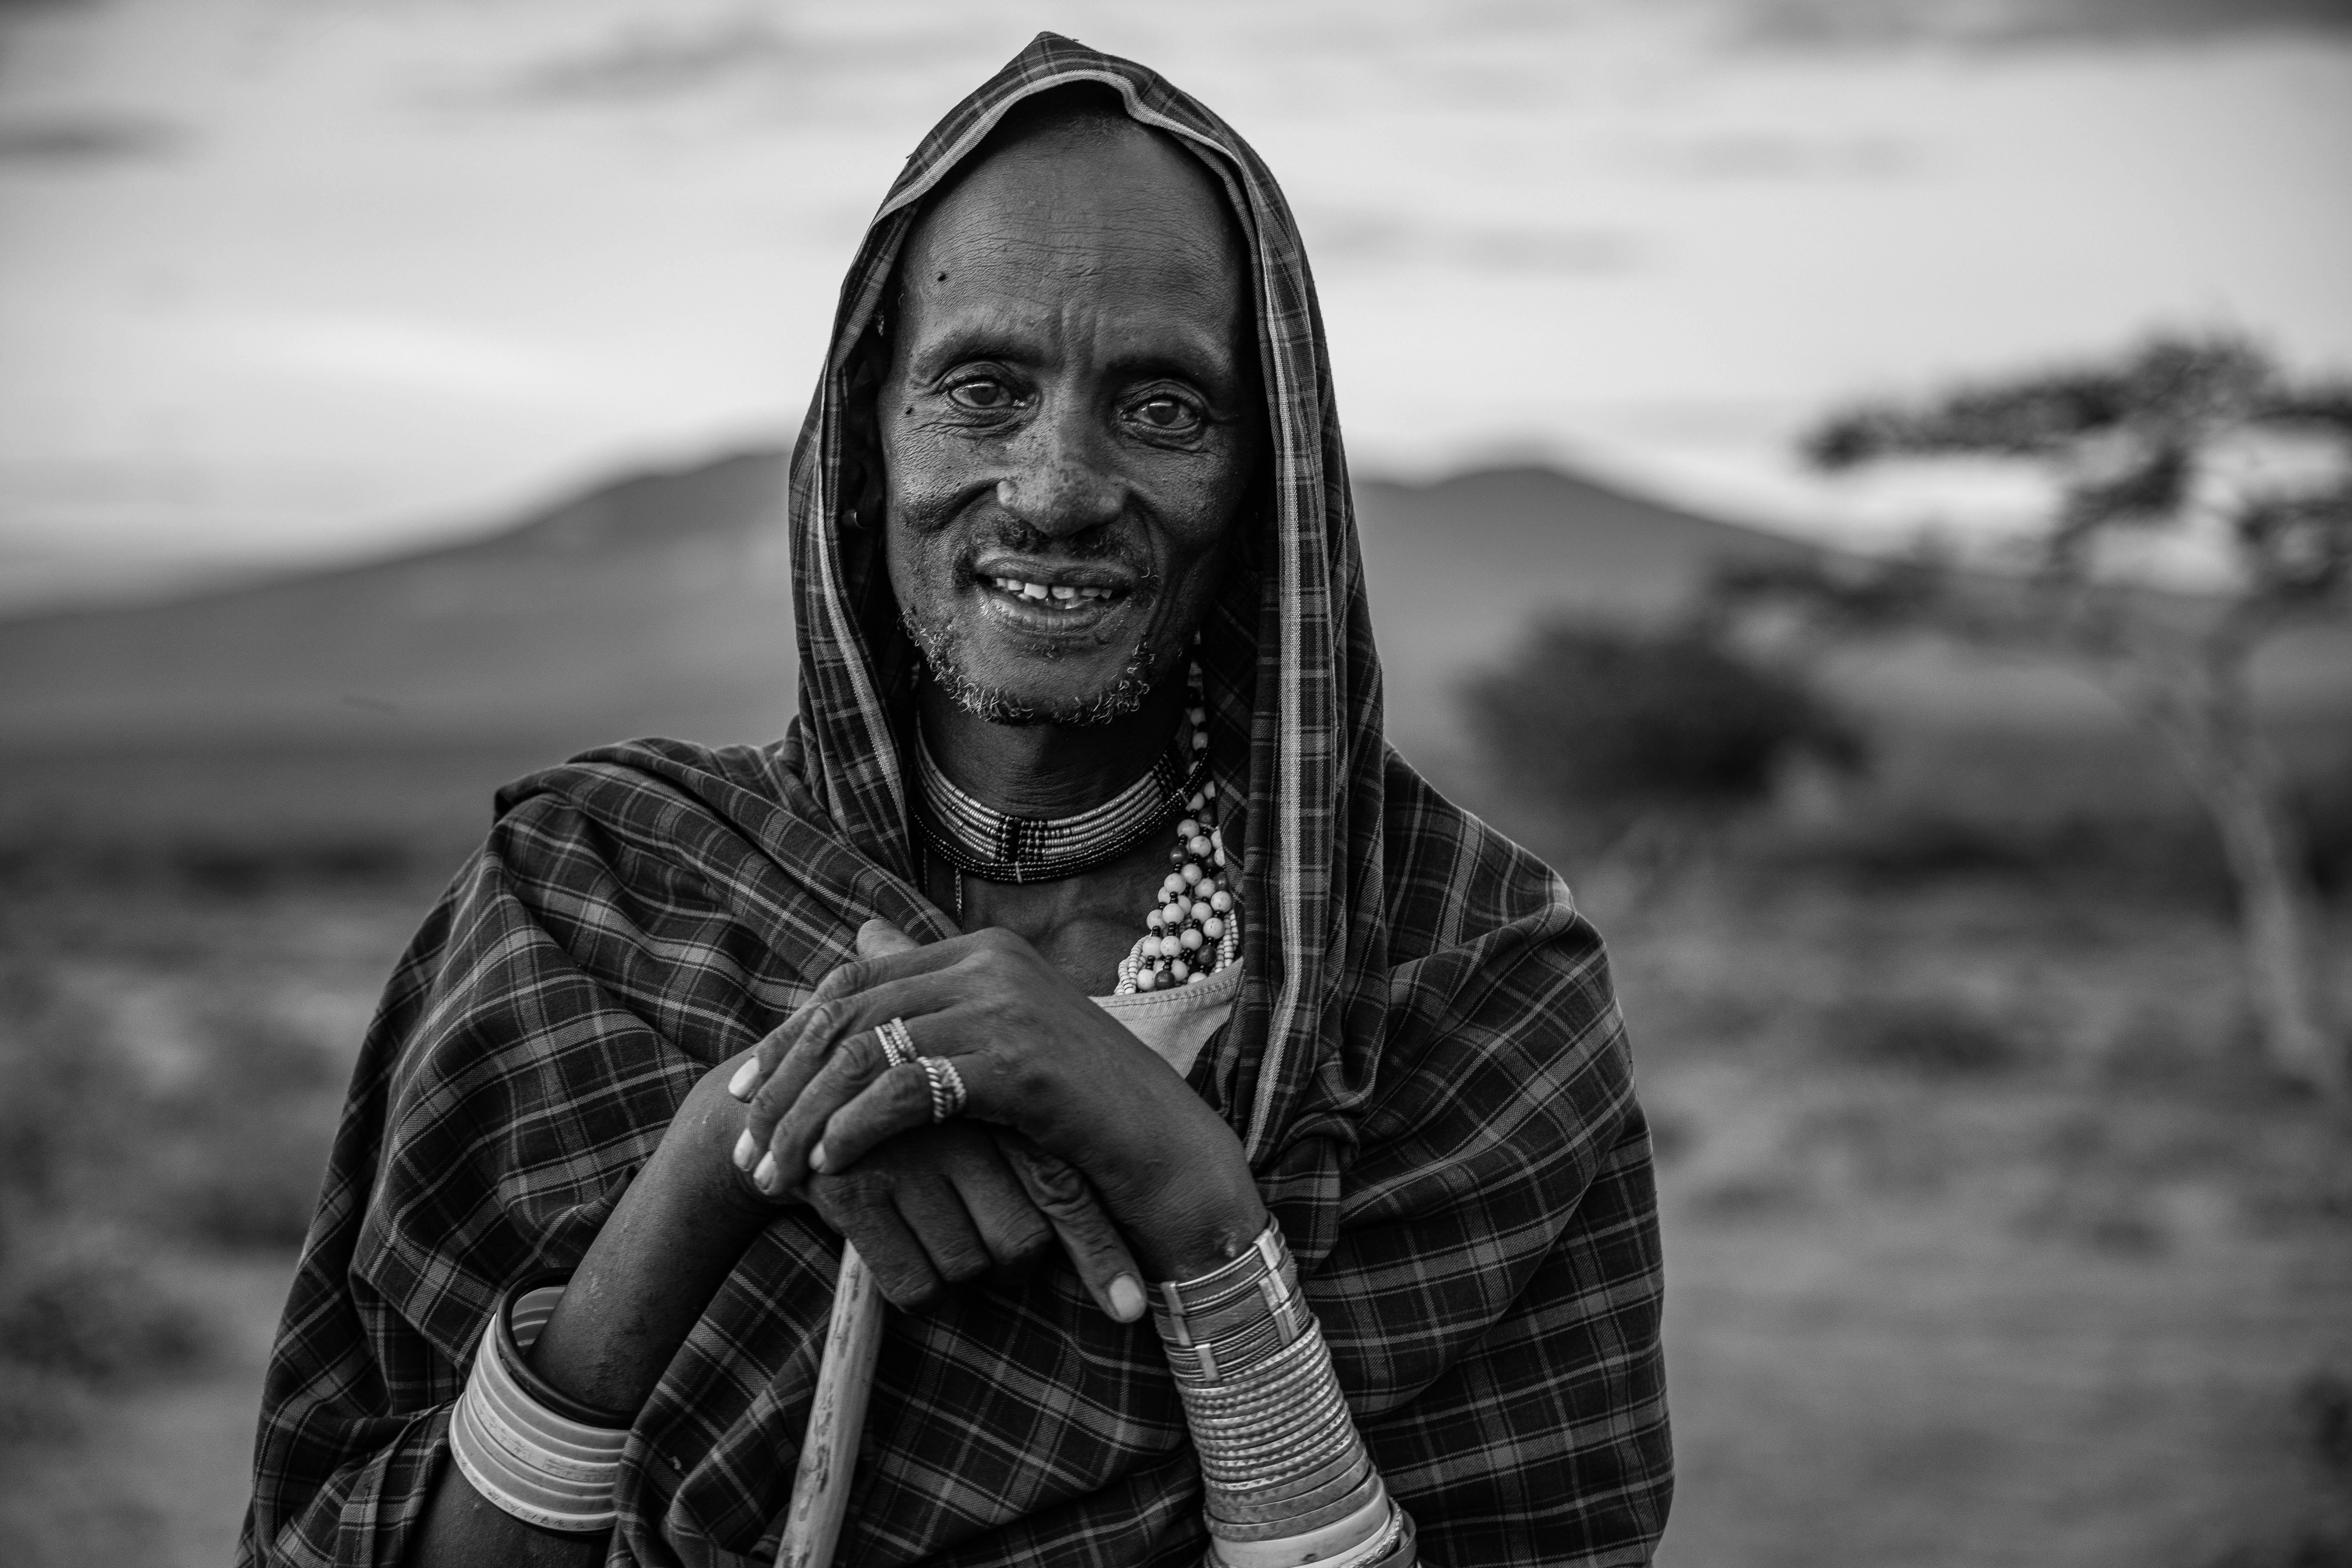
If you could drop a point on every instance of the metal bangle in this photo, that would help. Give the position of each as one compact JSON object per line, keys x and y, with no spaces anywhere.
{"x":1288,"y":1453}
{"x":1230,"y":1509}
{"x":1265,"y":1255}
{"x":1289,"y":1408}
{"x":1325,"y":1432}
{"x":1304,"y":1515}
{"x":1250,"y":1383}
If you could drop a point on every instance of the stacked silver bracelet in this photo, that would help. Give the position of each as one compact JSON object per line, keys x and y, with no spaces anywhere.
{"x":527,"y":1447}
{"x":1288,"y":1478}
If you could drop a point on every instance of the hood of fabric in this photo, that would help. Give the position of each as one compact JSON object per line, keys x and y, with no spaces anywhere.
{"x":1294,"y":683}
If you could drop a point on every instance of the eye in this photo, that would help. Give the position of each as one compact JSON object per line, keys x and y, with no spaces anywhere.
{"x":1165,"y":412}
{"x":982,"y":394}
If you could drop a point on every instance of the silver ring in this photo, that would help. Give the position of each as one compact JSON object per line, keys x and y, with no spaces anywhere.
{"x":947,"y":1087}
{"x":898,"y":1045}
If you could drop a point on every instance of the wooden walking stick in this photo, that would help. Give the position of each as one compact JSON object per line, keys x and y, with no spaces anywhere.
{"x":844,"y":1379}
{"x":829,"y":1451}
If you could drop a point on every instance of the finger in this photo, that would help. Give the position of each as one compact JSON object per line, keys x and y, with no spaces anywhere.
{"x":837,"y":1025}
{"x":897,"y":1100}
{"x":937,"y":1216}
{"x":884,"y":952}
{"x":757,"y":1063}
{"x":1011,"y":1226}
{"x":782,"y":1167}
{"x":1067,"y":1200}
{"x":859,"y":1207}
{"x":877,"y":938}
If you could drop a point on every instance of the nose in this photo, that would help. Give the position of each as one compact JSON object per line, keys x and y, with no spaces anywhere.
{"x":1059,"y":485}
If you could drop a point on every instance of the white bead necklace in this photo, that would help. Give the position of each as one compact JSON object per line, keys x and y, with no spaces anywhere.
{"x":1194,"y":927}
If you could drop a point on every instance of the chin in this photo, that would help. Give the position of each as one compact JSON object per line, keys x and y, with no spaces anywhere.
{"x":995,"y":687}
{"x":1037,"y":703}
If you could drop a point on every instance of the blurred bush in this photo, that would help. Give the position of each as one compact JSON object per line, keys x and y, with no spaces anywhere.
{"x":238,"y":1149}
{"x":86,"y":1310}
{"x":78,"y":1300}
{"x":110,"y":1168}
{"x":1619,"y":728}
{"x":1933,"y":1036}
{"x":52,"y":1076}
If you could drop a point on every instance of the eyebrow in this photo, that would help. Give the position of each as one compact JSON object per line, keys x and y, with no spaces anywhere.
{"x":1196,"y":358}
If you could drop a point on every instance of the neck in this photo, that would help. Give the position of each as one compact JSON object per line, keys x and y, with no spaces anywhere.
{"x":1048,"y":769}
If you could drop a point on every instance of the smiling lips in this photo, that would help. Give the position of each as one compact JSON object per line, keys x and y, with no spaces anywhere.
{"x":1064,"y":596}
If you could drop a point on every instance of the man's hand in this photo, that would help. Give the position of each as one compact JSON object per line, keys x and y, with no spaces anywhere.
{"x":942,"y":1205}
{"x":1036,"y":1056}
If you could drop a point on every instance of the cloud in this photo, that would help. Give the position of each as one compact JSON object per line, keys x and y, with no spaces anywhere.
{"x":2028,"y":21}
{"x":1768,"y":155}
{"x":1379,"y":239}
{"x":647,"y":61}
{"x":82,"y":140}
{"x":416,"y":357}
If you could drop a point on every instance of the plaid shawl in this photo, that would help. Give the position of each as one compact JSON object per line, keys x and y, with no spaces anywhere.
{"x":1427,"y":1069}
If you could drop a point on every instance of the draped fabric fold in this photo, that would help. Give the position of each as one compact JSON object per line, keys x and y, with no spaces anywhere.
{"x":1426,"y":1067}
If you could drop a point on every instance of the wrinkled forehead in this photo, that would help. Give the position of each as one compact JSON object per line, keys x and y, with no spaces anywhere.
{"x":1091,"y":196}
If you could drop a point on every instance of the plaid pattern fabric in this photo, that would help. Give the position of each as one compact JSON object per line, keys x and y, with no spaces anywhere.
{"x":1427,"y":1068}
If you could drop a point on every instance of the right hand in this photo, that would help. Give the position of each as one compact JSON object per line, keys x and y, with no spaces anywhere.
{"x":946,"y":1204}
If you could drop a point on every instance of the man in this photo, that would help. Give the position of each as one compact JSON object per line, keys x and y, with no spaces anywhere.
{"x":1084,"y":918}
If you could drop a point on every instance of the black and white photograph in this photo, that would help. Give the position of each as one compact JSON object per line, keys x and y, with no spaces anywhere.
{"x":1480,"y":783}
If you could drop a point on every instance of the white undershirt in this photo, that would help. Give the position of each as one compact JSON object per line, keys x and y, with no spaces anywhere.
{"x":1177,"y":1022}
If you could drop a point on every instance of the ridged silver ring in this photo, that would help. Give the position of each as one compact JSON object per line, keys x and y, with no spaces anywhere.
{"x":898,"y":1045}
{"x":947,"y":1087}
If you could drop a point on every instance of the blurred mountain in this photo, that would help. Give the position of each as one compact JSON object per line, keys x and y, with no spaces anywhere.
{"x":660,"y":604}
{"x":1457,"y":568}
{"x":395,"y":696}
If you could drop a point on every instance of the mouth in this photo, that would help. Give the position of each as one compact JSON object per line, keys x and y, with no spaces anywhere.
{"x":1054,"y":600}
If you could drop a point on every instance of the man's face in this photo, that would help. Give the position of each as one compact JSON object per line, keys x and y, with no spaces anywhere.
{"x":1069,"y":425}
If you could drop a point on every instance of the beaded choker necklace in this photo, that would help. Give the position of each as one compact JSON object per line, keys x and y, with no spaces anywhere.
{"x":1194,"y":926}
{"x":996,"y":847}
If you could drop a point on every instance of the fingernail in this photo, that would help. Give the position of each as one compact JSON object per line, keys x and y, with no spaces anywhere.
{"x":765,"y":1178}
{"x":816,"y":1158}
{"x":1127,"y":1297}
{"x":739,"y":1086}
{"x":746,"y":1147}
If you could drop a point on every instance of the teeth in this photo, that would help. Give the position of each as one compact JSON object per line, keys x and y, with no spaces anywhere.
{"x":1065,"y":595}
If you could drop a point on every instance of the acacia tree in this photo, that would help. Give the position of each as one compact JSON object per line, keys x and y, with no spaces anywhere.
{"x":2180,"y":440}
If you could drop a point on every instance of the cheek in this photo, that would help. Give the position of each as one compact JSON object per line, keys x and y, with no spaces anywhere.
{"x":1203,"y":508}
{"x":918,"y":475}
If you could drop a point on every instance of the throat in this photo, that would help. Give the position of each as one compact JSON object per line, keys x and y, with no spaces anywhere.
{"x":1046,"y":771}
{"x":1082,"y":925}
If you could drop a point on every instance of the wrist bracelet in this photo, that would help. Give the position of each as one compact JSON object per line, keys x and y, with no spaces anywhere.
{"x":1353,"y":1537}
{"x":1346,"y":1494}
{"x":522,"y":1444}
{"x":1288,"y":1478}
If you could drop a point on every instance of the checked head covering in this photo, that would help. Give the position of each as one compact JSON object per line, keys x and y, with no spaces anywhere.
{"x":1427,"y":1069}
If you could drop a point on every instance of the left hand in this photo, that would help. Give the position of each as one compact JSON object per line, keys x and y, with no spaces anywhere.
{"x":1036,"y":1055}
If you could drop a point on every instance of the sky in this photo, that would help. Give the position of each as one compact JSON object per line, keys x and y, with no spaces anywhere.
{"x":293,"y":281}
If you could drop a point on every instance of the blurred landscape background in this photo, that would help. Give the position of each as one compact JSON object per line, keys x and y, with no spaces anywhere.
{"x":1994,"y":1234}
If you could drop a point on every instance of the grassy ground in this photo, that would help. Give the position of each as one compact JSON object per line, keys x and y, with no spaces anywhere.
{"x":1987,"y":1242}
{"x":1990,"y":1241}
